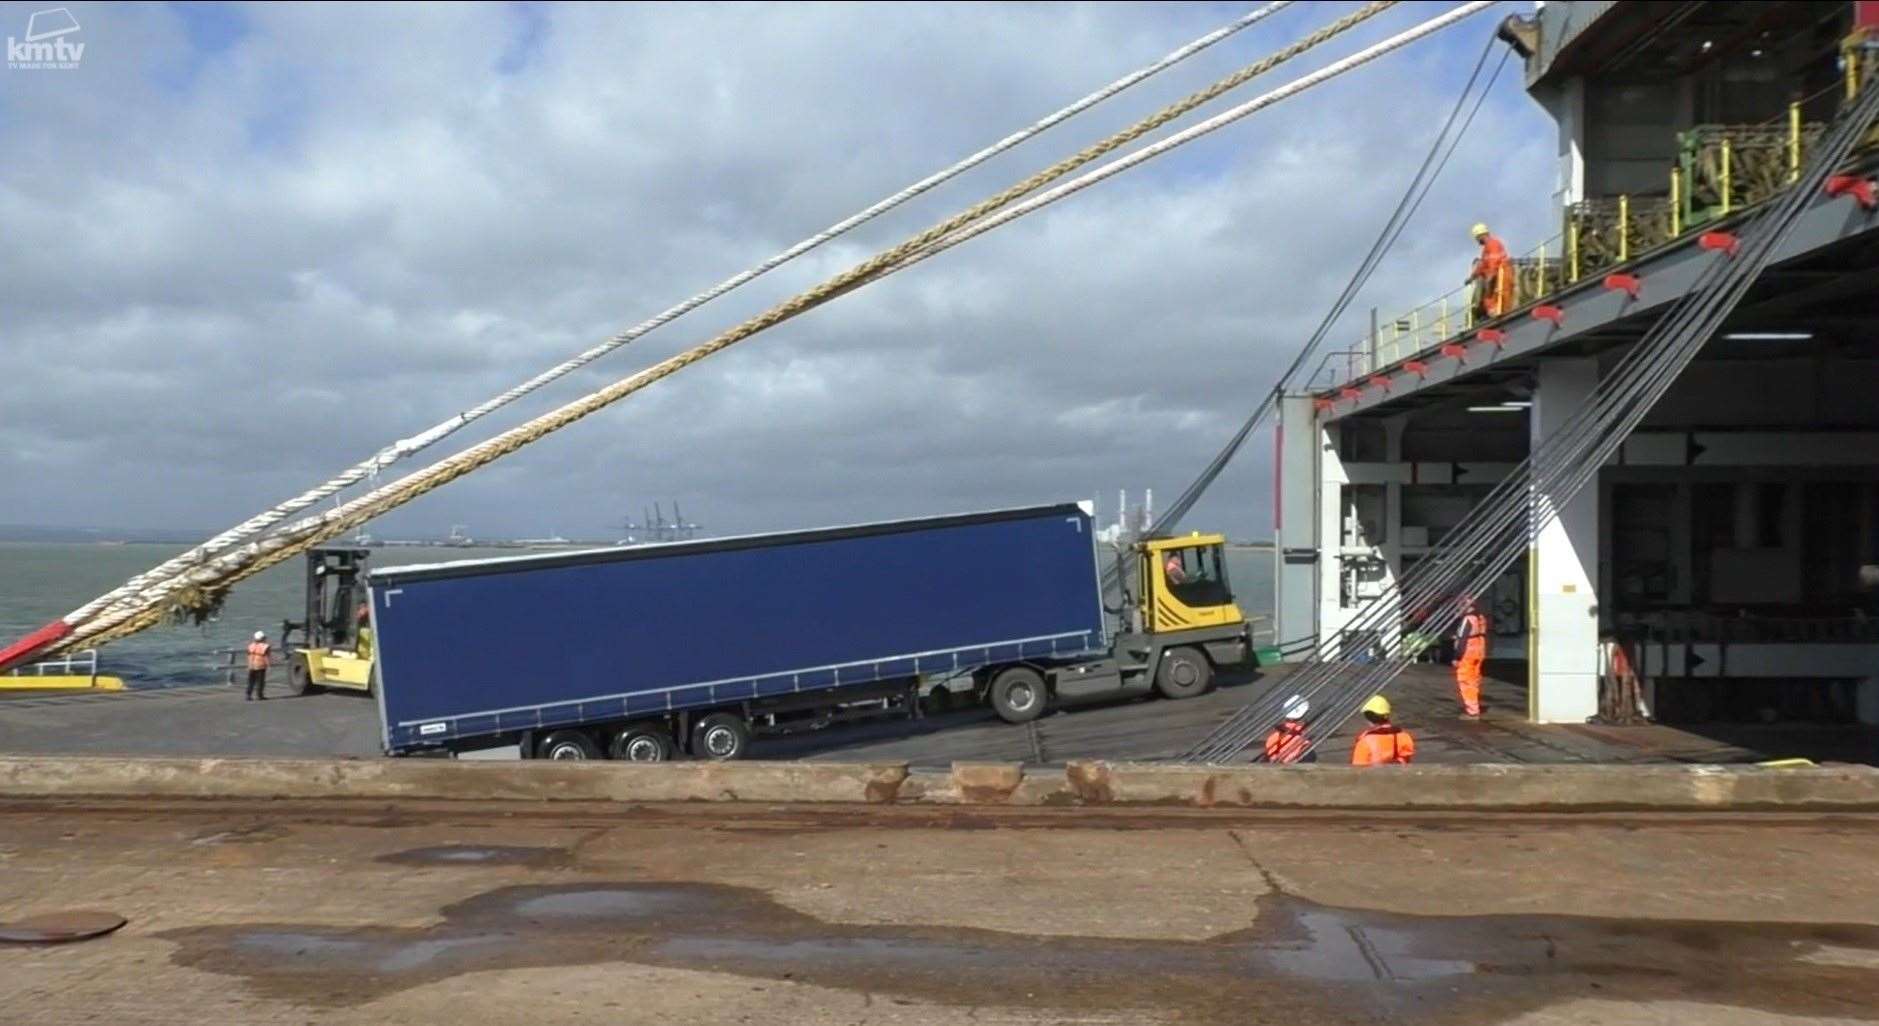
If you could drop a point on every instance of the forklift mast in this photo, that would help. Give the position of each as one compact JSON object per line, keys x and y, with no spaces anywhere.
{"x":334,"y":589}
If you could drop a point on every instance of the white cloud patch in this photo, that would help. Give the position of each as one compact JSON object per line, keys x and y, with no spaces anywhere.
{"x":244,"y":252}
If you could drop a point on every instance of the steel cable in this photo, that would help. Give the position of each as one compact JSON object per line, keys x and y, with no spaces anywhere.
{"x":407,"y":447}
{"x":1507,"y":523}
{"x":234,"y":566}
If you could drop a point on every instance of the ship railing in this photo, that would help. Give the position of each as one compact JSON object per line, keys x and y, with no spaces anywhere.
{"x":82,"y":663}
{"x":1720,"y":170}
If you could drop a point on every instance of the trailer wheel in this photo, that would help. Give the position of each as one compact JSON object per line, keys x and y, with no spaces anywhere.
{"x":299,"y":677}
{"x":721,"y":737}
{"x":1017,"y":694}
{"x":1183,"y":673}
{"x":642,"y":742}
{"x":567,"y":744}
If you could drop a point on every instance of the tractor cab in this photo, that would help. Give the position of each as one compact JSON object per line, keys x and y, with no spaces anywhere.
{"x":335,"y":647}
{"x":1184,"y":584}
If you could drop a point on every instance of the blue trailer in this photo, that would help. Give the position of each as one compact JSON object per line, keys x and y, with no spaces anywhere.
{"x":644,"y":653}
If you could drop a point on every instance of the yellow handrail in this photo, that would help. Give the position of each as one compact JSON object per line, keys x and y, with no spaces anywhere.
{"x":1624,"y":227}
{"x":1588,"y":223}
{"x":1676,"y":202}
{"x":1794,"y":142}
{"x":1725,"y":176}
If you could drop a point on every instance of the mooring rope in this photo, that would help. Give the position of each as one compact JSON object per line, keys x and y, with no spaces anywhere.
{"x":152,"y":604}
{"x":406,"y":447}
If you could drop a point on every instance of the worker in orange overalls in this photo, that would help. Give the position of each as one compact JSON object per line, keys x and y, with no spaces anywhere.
{"x":1471,"y":650}
{"x":1287,"y":742}
{"x":258,"y":651}
{"x":1494,"y":295}
{"x":1382,"y":743}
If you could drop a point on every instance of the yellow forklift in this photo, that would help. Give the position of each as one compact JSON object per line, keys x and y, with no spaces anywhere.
{"x":335,"y":649}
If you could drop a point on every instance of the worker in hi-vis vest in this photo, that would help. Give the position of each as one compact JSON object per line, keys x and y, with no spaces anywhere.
{"x":1494,"y":274}
{"x":1382,"y":743}
{"x":258,"y":651}
{"x":1471,"y":650}
{"x":1287,"y":742}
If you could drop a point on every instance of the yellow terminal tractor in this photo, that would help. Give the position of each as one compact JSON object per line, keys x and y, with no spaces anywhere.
{"x":1178,"y":626}
{"x":335,"y":649}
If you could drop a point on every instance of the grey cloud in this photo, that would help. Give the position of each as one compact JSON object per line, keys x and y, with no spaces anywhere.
{"x":230,"y":275}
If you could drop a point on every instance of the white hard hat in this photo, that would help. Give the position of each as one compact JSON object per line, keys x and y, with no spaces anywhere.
{"x":1296,"y":707}
{"x":260,"y":635}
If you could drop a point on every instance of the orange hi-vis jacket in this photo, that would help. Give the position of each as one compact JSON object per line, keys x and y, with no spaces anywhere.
{"x":1474,"y":635}
{"x":1286,"y":743}
{"x":257,"y":655}
{"x":1493,"y":258}
{"x":1496,"y":274}
{"x":1383,"y":745}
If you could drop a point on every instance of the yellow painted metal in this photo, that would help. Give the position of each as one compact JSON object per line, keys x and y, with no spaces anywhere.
{"x":1850,"y":60}
{"x":1794,"y":142}
{"x":1539,"y":287}
{"x":1445,"y":316}
{"x":60,"y":682}
{"x":1795,"y":763}
{"x":1186,"y":541}
{"x":338,"y":668}
{"x":1725,"y":176}
{"x":1161,"y":610}
{"x":1676,"y":202}
{"x":1624,"y":227}
{"x":1572,"y":247}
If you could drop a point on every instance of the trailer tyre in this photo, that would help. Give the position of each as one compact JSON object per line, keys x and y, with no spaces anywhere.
{"x":1183,"y":673}
{"x":1017,"y":694}
{"x":567,"y":745}
{"x":643,"y":742}
{"x":721,"y":737}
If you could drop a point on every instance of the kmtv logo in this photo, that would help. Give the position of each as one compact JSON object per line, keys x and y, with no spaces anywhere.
{"x":45,"y":47}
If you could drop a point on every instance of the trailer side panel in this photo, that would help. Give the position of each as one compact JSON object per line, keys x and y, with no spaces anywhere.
{"x":510,"y":644}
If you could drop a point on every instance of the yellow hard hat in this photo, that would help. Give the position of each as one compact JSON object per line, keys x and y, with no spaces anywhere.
{"x":1478,"y":230}
{"x":1377,"y":706}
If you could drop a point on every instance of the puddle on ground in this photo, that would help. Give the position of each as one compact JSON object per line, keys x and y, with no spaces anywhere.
{"x":1302,"y":959}
{"x":479,"y":855}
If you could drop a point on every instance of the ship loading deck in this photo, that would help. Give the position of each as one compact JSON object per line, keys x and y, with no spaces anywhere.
{"x":211,"y":721}
{"x":1721,"y":548}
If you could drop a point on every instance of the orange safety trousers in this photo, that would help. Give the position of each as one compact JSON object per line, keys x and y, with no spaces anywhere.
{"x":1468,"y":674}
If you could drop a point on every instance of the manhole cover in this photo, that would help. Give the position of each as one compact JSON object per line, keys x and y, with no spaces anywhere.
{"x":59,"y":927}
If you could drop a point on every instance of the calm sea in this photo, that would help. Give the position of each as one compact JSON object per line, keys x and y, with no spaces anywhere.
{"x":40,"y":582}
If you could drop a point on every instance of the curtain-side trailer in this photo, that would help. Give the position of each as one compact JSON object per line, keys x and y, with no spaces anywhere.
{"x":644,"y":653}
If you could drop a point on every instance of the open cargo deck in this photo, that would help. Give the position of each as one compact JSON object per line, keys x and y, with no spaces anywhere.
{"x":214,"y":721}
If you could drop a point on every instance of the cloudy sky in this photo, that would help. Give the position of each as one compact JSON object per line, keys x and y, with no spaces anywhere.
{"x":246,"y":246}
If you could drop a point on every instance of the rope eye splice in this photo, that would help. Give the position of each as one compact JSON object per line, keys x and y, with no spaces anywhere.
{"x":195,"y":605}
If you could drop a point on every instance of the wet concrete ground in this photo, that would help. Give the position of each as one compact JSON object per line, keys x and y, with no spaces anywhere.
{"x":210,"y":721}
{"x":347,"y":913}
